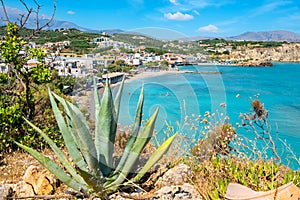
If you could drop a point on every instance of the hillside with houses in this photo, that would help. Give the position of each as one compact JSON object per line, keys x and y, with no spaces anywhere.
{"x":79,"y":54}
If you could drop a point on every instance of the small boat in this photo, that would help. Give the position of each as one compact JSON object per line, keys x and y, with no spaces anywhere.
{"x":240,"y":192}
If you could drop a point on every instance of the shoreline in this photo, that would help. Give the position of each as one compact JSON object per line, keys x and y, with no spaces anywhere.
{"x":143,"y":75}
{"x":149,"y":74}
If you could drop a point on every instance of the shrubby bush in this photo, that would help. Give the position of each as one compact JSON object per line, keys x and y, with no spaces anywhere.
{"x":221,"y":155}
{"x":23,"y":93}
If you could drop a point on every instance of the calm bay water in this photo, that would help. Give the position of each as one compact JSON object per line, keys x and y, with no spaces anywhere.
{"x":189,"y":94}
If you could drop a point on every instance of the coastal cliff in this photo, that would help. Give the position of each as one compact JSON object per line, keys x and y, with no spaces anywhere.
{"x":263,"y":56}
{"x":284,"y":53}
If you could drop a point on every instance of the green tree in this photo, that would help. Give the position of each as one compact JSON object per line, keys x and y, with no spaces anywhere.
{"x":16,"y":55}
{"x":119,"y":66}
{"x":164,"y":65}
{"x":20,"y":89}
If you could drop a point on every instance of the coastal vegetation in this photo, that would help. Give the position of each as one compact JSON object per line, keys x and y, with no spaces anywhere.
{"x":21,"y":89}
{"x":119,"y":66}
{"x":23,"y":93}
{"x":250,"y":44}
{"x":222,"y":155}
{"x":82,"y":42}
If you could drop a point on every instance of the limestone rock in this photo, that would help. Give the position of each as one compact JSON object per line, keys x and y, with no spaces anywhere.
{"x":5,"y":191}
{"x":23,"y":189}
{"x":184,"y":192}
{"x":38,"y":180}
{"x":178,"y":175}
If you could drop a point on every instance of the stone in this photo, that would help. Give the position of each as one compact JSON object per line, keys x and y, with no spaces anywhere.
{"x":184,"y":192}
{"x":178,"y":175}
{"x":5,"y":191}
{"x":22,"y":189}
{"x":38,"y":180}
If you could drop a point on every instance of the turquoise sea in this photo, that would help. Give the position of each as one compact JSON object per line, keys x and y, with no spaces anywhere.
{"x":193,"y":94}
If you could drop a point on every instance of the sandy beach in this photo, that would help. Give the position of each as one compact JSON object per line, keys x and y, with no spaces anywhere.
{"x":160,"y":73}
{"x":149,"y":74}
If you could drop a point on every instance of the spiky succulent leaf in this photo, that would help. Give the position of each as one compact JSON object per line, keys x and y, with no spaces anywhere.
{"x":117,"y":101}
{"x":134,"y":132}
{"x":145,"y":135}
{"x":68,"y":138}
{"x":55,"y":169}
{"x":105,"y":131}
{"x":60,"y":155}
{"x":138,"y":146}
{"x":68,"y":119}
{"x":155,"y":157}
{"x":96,"y":95}
{"x":94,"y":182}
{"x":97,"y":105}
{"x":82,"y":132}
{"x":79,"y":129}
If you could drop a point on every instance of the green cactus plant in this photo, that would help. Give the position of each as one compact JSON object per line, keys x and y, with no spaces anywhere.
{"x":93,"y":171}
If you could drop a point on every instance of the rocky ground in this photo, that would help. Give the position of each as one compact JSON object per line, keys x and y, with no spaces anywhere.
{"x":23,"y":177}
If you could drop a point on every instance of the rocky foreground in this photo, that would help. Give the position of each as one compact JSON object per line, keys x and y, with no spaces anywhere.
{"x":40,"y":183}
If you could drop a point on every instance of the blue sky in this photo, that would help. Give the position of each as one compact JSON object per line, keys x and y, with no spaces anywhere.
{"x":189,"y":18}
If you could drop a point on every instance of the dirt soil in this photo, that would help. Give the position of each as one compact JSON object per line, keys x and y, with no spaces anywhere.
{"x":14,"y":165}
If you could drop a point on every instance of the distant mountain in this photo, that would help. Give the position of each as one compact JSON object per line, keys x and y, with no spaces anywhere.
{"x":279,"y":35}
{"x":14,"y":16}
{"x":274,"y":36}
{"x":195,"y":38}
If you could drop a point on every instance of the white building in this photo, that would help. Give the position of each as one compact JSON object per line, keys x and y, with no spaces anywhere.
{"x":77,"y":67}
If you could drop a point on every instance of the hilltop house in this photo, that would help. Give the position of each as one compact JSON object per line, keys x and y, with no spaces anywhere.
{"x":74,"y":66}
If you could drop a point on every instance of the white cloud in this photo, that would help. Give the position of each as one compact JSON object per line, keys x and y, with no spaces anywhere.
{"x":70,"y":12}
{"x":174,"y":2}
{"x":209,"y":28}
{"x":178,"y":16}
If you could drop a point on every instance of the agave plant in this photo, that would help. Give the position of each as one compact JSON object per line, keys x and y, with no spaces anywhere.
{"x":91,"y":170}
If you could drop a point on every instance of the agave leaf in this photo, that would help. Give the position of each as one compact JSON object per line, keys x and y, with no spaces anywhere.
{"x":96,"y":92}
{"x":68,"y":117}
{"x":118,"y":98}
{"x":146,"y":134}
{"x":105,"y":131}
{"x":60,"y":155}
{"x":96,"y":99}
{"x":55,"y":169}
{"x":155,"y":157}
{"x":94,"y":182}
{"x":82,"y":132}
{"x":68,"y":138}
{"x":134,"y":132}
{"x":138,"y":146}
